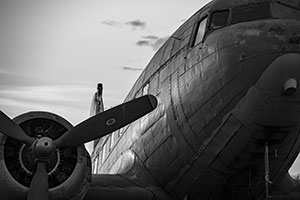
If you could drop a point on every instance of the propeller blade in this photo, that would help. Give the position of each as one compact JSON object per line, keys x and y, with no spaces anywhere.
{"x":11,"y":129}
{"x":107,"y":121}
{"x":39,"y":184}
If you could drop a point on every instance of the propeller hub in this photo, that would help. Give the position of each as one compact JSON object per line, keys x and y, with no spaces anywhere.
{"x":44,"y":147}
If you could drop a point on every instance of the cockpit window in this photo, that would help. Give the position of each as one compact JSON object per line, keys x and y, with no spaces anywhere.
{"x":286,"y":11}
{"x":251,"y":13}
{"x":219,"y":19}
{"x":201,"y":26}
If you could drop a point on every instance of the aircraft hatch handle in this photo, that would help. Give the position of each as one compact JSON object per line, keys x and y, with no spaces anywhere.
{"x":39,"y":184}
{"x":107,"y":122}
{"x":9,"y":128}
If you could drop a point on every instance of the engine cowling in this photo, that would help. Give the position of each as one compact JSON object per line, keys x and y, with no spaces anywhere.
{"x":69,"y":169}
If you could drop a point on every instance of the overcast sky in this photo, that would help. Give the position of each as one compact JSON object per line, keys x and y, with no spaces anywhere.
{"x":54,"y":52}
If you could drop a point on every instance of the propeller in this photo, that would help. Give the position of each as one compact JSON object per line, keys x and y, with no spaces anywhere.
{"x":39,"y":184}
{"x":107,"y":122}
{"x":11,"y":129}
{"x":95,"y":127}
{"x":42,"y":149}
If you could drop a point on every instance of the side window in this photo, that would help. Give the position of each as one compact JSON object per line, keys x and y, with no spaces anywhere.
{"x":286,"y":11}
{"x":251,"y":13}
{"x":201,"y":25}
{"x":100,"y":158}
{"x":96,"y":161}
{"x":99,"y":161}
{"x":104,"y":152}
{"x":219,"y":19}
{"x":108,"y":143}
{"x":112,"y":140}
{"x":146,"y":89}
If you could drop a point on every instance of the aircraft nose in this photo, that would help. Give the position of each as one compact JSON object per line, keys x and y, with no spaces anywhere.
{"x":281,"y":78}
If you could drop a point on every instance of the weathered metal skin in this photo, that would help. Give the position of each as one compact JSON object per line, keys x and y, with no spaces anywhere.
{"x":205,"y":101}
{"x":75,"y":187}
{"x":215,"y":108}
{"x":132,"y":181}
{"x":219,"y":101}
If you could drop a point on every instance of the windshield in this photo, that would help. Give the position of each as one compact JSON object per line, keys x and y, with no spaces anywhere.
{"x":219,"y":19}
{"x":286,"y":11}
{"x":251,"y":13}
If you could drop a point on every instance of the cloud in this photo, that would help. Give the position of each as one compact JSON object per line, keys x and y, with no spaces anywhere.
{"x":136,"y":24}
{"x":153,"y":41}
{"x":110,"y":23}
{"x":33,"y":93}
{"x":151,"y":37}
{"x":143,"y":43}
{"x":132,"y":69}
{"x":64,"y":100}
{"x":46,"y":95}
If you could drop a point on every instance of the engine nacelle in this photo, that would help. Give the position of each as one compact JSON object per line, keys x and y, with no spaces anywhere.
{"x":69,"y":169}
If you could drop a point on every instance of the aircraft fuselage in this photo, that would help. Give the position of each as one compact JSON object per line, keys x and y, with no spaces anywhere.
{"x":221,"y":103}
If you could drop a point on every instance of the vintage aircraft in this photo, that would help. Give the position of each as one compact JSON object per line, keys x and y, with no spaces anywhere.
{"x":224,"y":126}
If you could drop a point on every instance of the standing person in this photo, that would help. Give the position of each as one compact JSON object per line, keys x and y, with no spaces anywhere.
{"x":97,"y":102}
{"x":97,"y":107}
